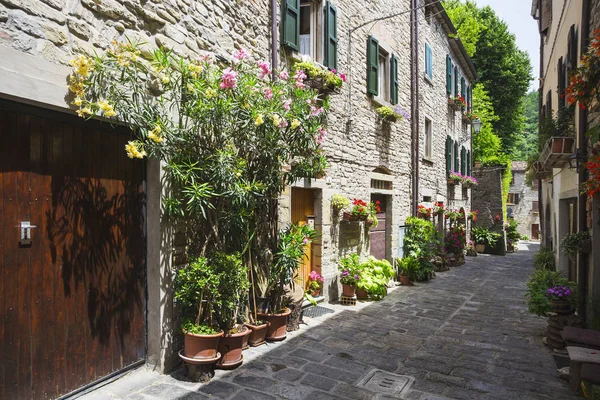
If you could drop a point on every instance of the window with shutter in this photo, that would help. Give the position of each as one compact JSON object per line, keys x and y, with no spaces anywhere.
{"x":456,"y":166}
{"x":455,"y":93}
{"x":545,"y":16}
{"x":463,"y":160}
{"x":448,"y":75}
{"x":394,"y":79}
{"x":448,"y":154}
{"x":463,"y":87}
{"x":469,"y":168}
{"x":562,"y":80}
{"x":291,"y":24}
{"x":549,"y":104}
{"x":331,"y":39}
{"x":372,"y":66}
{"x":428,"y":62}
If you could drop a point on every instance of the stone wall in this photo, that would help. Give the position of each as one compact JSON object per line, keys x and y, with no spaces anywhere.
{"x":523,"y":212}
{"x":487,"y":199}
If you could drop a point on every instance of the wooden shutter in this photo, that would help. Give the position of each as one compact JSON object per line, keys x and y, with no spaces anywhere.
{"x":545,"y":16}
{"x":468,"y":98}
{"x":448,"y":154}
{"x":463,"y":160}
{"x":394,"y":79}
{"x":372,"y":65}
{"x":291,"y":24}
{"x":561,"y":82}
{"x":448,"y":75}
{"x":428,"y":61}
{"x":331,"y":40}
{"x":469,"y":168}
{"x":572,"y":48}
{"x":463,"y":87}
{"x":549,"y":104}
{"x":456,"y":166}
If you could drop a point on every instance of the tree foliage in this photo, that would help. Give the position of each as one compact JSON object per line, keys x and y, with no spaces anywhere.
{"x":527,"y":142}
{"x":503,"y":69}
{"x":487,"y":147}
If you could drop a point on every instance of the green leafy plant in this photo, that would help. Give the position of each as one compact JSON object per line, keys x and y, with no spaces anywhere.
{"x":349,"y":266}
{"x":544,"y":259}
{"x":388,"y":114}
{"x":331,"y":78}
{"x":485,"y":236}
{"x":374,"y":277}
{"x":575,"y":243}
{"x":511,"y":231}
{"x":408,"y":266}
{"x":233,"y":290}
{"x":537,"y":287}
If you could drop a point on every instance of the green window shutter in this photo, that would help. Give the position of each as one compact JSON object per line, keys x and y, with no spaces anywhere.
{"x":394,"y":79}
{"x":448,"y":75}
{"x":448,"y":154}
{"x":291,"y":24}
{"x":463,"y":160}
{"x":468,"y":98}
{"x":331,"y":40}
{"x":456,"y":166}
{"x":463,"y":87}
{"x":372,"y":65}
{"x":469,"y":172}
{"x":455,"y":81}
{"x":428,"y":62}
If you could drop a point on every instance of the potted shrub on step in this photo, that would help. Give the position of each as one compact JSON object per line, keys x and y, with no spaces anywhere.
{"x":484,"y":237}
{"x":407,"y":267}
{"x":349,"y":267}
{"x":315,"y":283}
{"x":561,"y":298}
{"x":197,"y":292}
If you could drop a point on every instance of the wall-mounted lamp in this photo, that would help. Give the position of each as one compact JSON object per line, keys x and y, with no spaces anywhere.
{"x":477,"y":125}
{"x":577,"y":160}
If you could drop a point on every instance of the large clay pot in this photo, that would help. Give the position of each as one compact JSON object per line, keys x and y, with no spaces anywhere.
{"x":362,"y":294}
{"x":348,"y":290}
{"x":277,"y":324}
{"x":201,"y":346}
{"x":350,"y":217}
{"x":480,"y":248}
{"x":404,"y":280}
{"x":245,"y":344}
{"x":230,"y":347}
{"x":562,"y":307}
{"x":257,"y":334}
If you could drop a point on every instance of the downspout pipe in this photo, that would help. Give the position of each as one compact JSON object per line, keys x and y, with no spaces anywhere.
{"x":582,"y":271}
{"x":274,"y":39}
{"x":414,"y":103}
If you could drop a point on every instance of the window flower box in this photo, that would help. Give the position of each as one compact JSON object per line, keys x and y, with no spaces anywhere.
{"x":557,"y":151}
{"x":324,"y":80}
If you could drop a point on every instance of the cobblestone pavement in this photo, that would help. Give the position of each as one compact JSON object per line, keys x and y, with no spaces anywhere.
{"x":465,"y":335}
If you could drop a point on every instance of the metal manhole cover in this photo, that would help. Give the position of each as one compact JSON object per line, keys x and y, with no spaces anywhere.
{"x":316,"y":311}
{"x":385,"y":382}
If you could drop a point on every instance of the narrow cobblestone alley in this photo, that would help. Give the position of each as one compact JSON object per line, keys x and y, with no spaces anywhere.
{"x":465,"y":335}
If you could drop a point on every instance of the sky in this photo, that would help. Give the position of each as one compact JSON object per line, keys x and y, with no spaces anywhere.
{"x":517,"y":15}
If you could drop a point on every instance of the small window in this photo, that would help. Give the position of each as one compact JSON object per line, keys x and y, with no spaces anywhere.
{"x":534,"y":206}
{"x":383,"y":76}
{"x":309,"y":26}
{"x":428,"y":138}
{"x":428,"y":62}
{"x":535,"y":184}
{"x":513,"y":198}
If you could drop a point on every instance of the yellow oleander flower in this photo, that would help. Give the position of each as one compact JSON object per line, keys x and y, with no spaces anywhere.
{"x":295,"y":124}
{"x":276,"y":120}
{"x":77,"y":101}
{"x":247,"y":105}
{"x":110,"y":112}
{"x":154,"y":137}
{"x":165,"y":79}
{"x":210,"y":93}
{"x":190,"y":87}
{"x":103,"y":105}
{"x":157,"y":129}
{"x":87,"y":110}
{"x":133,"y":150}
{"x":259,"y":120}
{"x":83,"y":65}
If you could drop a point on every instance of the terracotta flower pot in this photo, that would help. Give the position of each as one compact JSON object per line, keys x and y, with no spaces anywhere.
{"x":277,"y":324}
{"x":230,"y":347}
{"x":245,"y":344}
{"x":362,"y":294}
{"x":257,"y":334}
{"x":201,"y":346}
{"x":480,"y":248}
{"x":350,"y":217}
{"x":562,"y":307}
{"x":315,"y":292}
{"x":348,"y":290}
{"x":404,"y":280}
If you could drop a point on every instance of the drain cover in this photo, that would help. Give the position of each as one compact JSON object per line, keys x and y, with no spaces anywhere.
{"x":316,"y":311}
{"x":385,"y":382}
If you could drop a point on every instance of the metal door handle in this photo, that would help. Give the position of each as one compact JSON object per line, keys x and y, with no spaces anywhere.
{"x":26,"y":232}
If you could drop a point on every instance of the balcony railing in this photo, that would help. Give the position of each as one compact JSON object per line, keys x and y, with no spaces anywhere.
{"x":556,"y":152}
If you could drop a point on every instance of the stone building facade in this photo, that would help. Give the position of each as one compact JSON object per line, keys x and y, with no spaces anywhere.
{"x":565,"y":28}
{"x":368,"y":159}
{"x":522,"y":203}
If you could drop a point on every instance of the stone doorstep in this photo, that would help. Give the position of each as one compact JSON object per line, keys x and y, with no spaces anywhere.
{"x":584,"y":355}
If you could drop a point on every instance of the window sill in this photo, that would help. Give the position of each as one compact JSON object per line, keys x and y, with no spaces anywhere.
{"x":427,"y":79}
{"x":299,"y":57}
{"x":427,"y":161}
{"x":379,"y":101}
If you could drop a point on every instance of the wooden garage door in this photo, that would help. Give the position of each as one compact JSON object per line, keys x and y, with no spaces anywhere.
{"x":71,"y":302}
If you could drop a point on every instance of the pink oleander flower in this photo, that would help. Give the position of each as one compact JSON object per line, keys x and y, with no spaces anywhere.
{"x":284,"y":75}
{"x":314,"y":111}
{"x":315,"y":276}
{"x":286,"y":104}
{"x":265,"y":69}
{"x":343,"y":77}
{"x":229,"y":79}
{"x":299,"y":77}
{"x":241,"y":54}
{"x":268,"y":93}
{"x":305,"y":240}
{"x":322,"y":135}
{"x":283,"y":123}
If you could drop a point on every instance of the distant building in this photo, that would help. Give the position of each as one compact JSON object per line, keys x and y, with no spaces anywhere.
{"x":522,"y":203}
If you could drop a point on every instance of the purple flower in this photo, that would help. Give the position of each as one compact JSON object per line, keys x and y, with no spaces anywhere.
{"x":356,"y":277}
{"x":345,"y":273}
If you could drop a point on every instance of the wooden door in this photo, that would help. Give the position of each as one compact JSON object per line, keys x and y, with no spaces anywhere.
{"x":535,"y":231}
{"x":71,"y":302}
{"x":378,"y":235}
{"x":303,"y":207}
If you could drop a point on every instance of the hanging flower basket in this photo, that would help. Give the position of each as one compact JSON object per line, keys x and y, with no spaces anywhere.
{"x":319,"y":84}
{"x":350,"y":217}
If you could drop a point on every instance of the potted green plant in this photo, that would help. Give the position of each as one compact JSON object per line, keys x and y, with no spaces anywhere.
{"x":315,"y":283}
{"x":197,"y":293}
{"x":230,"y":310}
{"x":407,"y":268}
{"x":387,"y":114}
{"x":454,"y":178}
{"x":349,"y":267}
{"x":324,"y":80}
{"x":339,"y":202}
{"x":375,"y":275}
{"x":512,"y":235}
{"x":561,"y":298}
{"x":359,"y":211}
{"x":292,"y":246}
{"x":484,"y":237}
{"x":576,"y":243}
